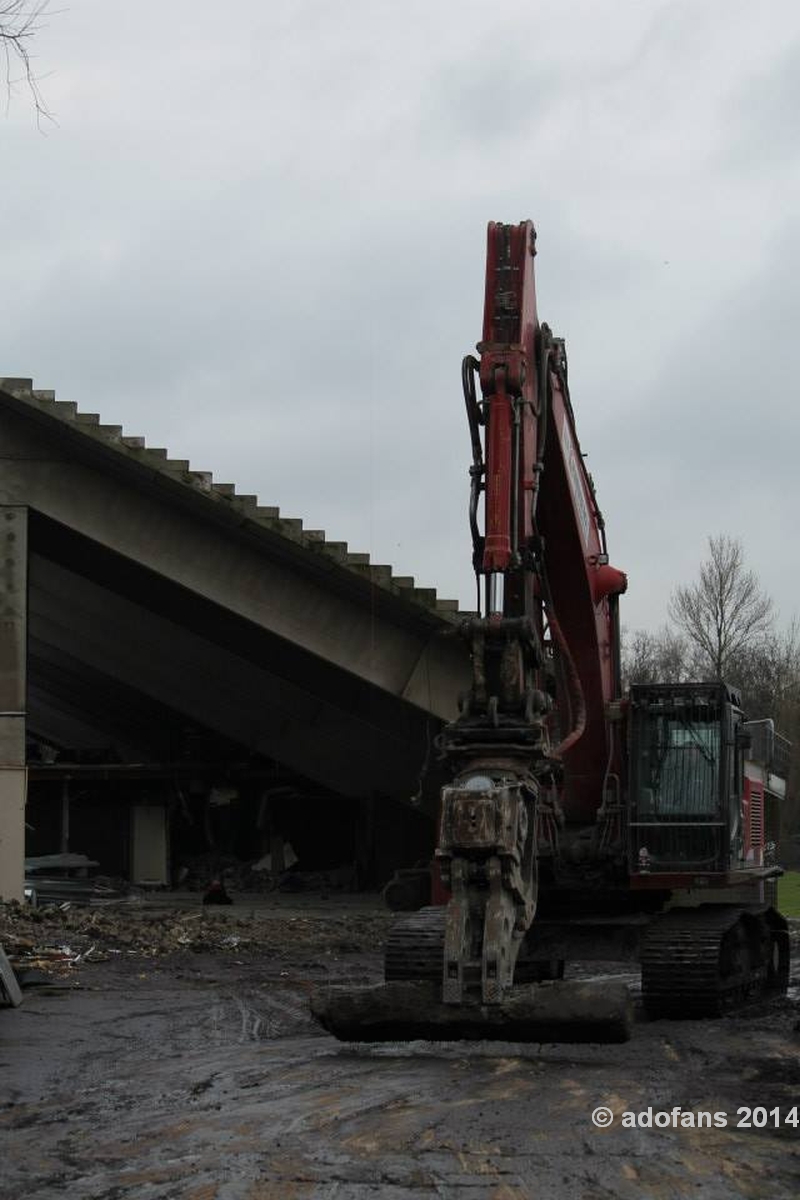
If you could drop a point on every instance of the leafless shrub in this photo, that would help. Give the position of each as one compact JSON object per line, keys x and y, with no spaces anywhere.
{"x":20,"y":21}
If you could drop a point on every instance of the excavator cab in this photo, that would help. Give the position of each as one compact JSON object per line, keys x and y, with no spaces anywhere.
{"x":702,"y":799}
{"x":687,"y":750}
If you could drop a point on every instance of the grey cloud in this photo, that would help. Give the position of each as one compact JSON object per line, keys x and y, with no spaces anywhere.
{"x":263,"y":248}
{"x":760,"y":119}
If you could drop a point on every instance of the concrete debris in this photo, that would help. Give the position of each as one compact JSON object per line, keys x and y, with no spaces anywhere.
{"x":195,"y":873}
{"x":9,"y":988}
{"x":265,"y":862}
{"x":61,"y":939}
{"x":59,"y":862}
{"x":60,"y":890}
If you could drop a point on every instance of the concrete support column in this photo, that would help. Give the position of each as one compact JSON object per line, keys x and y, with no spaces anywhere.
{"x":13,"y":655}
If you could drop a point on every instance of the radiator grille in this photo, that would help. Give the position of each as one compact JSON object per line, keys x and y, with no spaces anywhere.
{"x":756,"y":819}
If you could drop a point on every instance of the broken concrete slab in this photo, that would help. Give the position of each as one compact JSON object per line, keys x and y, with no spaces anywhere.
{"x":10,"y":992}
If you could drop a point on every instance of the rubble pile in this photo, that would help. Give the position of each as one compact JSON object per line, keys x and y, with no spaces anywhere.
{"x":67,"y":935}
{"x":194,"y":874}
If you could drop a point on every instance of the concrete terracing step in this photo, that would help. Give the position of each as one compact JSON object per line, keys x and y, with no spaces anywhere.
{"x":179,"y":471}
{"x":66,"y":408}
{"x":336,"y":550}
{"x":247,"y":504}
{"x":290,"y":527}
{"x":376,"y":572}
{"x":426,"y":596}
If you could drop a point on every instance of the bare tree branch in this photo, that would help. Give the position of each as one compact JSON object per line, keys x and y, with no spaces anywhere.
{"x":662,"y":657}
{"x":20,"y":21}
{"x":725,"y":613}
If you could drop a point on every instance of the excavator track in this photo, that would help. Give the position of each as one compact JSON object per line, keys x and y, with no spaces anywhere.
{"x":700,"y":962}
{"x":707,"y":961}
{"x":415,"y":946}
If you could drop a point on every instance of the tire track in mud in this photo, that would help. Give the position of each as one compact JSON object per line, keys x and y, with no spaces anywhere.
{"x":218,"y":1087}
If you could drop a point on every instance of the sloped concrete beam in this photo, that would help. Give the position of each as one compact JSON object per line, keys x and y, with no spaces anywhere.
{"x":292,"y":591}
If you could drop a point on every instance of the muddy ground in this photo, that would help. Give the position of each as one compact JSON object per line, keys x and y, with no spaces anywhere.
{"x":195,"y":1072}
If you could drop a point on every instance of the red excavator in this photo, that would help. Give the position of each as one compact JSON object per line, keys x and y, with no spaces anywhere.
{"x":579,"y":824}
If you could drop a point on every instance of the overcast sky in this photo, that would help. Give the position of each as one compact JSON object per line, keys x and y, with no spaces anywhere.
{"x":256,"y":236}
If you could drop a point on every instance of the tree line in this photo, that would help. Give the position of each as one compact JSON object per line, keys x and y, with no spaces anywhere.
{"x":724,"y":626}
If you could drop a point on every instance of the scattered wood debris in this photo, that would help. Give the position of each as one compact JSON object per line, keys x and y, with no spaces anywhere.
{"x":58,"y":938}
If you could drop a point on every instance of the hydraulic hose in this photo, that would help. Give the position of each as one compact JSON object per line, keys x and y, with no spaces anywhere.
{"x":578,"y":699}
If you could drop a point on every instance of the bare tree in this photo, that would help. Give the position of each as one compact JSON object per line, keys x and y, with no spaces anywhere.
{"x":768,"y":675}
{"x":662,"y":657}
{"x":638,"y":657}
{"x":20,"y":21}
{"x":769,"y":678}
{"x":725,"y":612}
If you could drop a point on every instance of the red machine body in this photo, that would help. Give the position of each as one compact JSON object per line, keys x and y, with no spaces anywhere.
{"x":576,"y":824}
